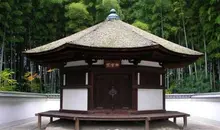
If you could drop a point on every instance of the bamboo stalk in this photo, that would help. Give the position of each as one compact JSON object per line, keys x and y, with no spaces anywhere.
{"x":2,"y":54}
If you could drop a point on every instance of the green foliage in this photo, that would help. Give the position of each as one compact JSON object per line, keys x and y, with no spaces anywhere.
{"x":32,"y":83}
{"x":217,"y":20}
{"x":189,"y":84}
{"x":141,"y":25}
{"x":35,"y":86}
{"x":78,"y":17}
{"x":27,"y":24}
{"x":158,"y":15}
{"x":7,"y":82}
{"x":171,"y":89}
{"x":49,"y":2}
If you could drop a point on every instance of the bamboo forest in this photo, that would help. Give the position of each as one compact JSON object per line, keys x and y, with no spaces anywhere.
{"x":25,"y":24}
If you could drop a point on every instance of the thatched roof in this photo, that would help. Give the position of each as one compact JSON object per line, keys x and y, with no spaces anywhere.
{"x":114,"y":34}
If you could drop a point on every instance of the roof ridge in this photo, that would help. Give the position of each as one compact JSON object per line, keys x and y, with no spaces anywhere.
{"x":138,"y":33}
{"x":160,"y":43}
{"x":96,"y":26}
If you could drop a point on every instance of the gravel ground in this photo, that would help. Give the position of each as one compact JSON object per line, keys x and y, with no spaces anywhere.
{"x":194,"y":123}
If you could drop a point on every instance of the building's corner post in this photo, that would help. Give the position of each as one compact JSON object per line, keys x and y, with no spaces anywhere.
{"x":39,"y":121}
{"x":51,"y":119}
{"x":184,"y":121}
{"x":62,"y":83}
{"x":76,"y":124}
{"x":174,"y":120}
{"x":147,"y":124}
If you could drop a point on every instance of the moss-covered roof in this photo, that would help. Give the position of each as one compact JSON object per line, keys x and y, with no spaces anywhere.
{"x":114,"y":34}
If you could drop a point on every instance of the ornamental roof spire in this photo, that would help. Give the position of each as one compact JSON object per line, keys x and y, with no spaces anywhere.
{"x":113,"y":15}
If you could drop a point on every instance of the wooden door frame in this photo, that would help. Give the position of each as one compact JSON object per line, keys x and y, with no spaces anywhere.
{"x":98,"y":70}
{"x":111,"y":76}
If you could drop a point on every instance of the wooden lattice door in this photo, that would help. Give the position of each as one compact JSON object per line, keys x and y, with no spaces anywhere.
{"x":113,"y":91}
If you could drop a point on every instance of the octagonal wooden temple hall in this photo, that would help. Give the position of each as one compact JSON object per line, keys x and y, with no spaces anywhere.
{"x":112,"y":71}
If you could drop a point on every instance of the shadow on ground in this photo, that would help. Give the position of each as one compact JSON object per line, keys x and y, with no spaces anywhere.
{"x":102,"y":125}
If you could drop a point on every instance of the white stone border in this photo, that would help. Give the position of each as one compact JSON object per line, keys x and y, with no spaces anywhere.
{"x":27,"y":95}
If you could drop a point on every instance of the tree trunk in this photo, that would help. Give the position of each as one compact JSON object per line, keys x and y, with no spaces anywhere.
{"x":45,"y":77}
{"x":58,"y":81}
{"x":185,"y":37}
{"x":31,"y":68}
{"x":49,"y":82}
{"x":15,"y":66}
{"x":218,"y":69}
{"x":218,"y":73}
{"x":2,"y":54}
{"x":179,"y":69}
{"x":178,"y":73}
{"x":168,"y":78}
{"x":206,"y":59}
{"x":11,"y":57}
{"x":195,"y":67}
{"x":196,"y":75}
{"x":161,"y":19}
{"x":211,"y":75}
{"x":40,"y":74}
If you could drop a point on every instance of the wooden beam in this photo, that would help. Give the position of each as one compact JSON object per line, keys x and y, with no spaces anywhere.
{"x":147,"y":124}
{"x":174,"y":120}
{"x":164,"y":99}
{"x":39,"y":121}
{"x":91,"y":92}
{"x":184,"y":121}
{"x":134,"y":61}
{"x":51,"y":119}
{"x":61,"y":87}
{"x":76,"y":124}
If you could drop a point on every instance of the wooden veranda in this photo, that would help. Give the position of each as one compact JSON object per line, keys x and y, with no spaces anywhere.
{"x":93,"y":116}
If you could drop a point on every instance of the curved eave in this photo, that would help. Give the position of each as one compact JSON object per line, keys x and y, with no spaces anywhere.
{"x":128,"y":50}
{"x":180,"y":59}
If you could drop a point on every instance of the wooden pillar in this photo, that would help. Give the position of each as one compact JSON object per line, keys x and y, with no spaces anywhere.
{"x":51,"y":119}
{"x":76,"y":124}
{"x":39,"y":121}
{"x":62,"y":84}
{"x":174,"y":120}
{"x":184,"y":121}
{"x":134,"y":90}
{"x":147,"y":124}
{"x":90,"y":89}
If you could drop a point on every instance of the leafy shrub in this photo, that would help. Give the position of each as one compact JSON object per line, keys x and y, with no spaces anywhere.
{"x":141,"y":25}
{"x":6,"y":82}
{"x":191,"y":84}
{"x":32,"y":82}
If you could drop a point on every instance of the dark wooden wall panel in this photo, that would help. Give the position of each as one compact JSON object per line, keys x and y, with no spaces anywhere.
{"x":74,"y":78}
{"x":149,"y":80}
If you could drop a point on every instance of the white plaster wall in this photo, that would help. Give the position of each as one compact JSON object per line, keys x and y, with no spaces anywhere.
{"x":75,"y":99}
{"x":142,"y":63}
{"x":208,"y":108}
{"x":17,"y":108}
{"x":149,"y":63}
{"x":20,"y":108}
{"x":126,"y":62}
{"x":75,"y":63}
{"x":99,"y":62}
{"x":82,"y":63}
{"x":150,"y":99}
